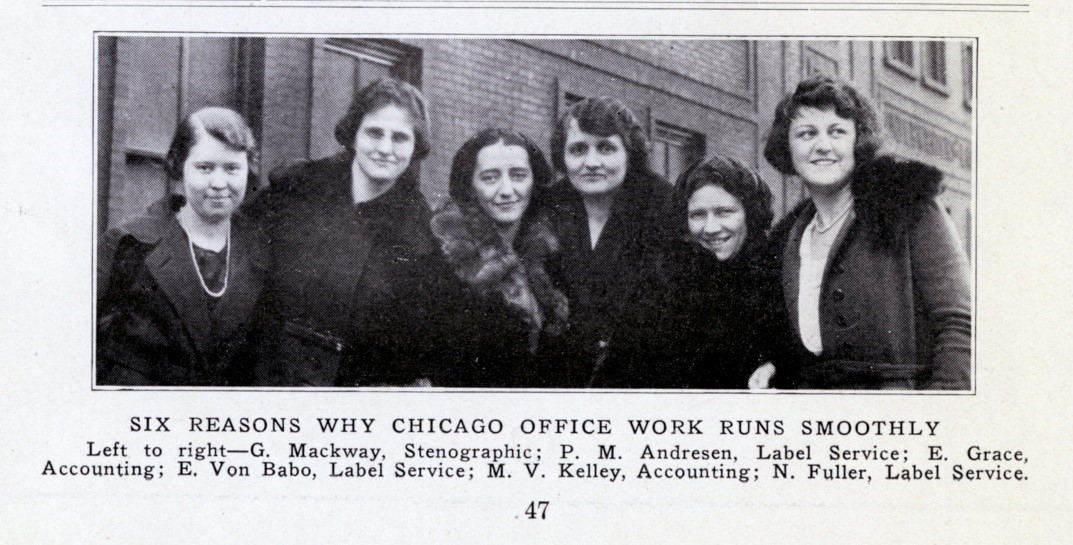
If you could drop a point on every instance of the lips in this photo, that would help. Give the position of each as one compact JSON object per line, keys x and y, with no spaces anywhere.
{"x":383,"y":163}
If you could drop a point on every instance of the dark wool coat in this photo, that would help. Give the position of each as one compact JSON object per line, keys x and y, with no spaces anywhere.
{"x":488,"y":342}
{"x":599,"y":282}
{"x":155,"y":323}
{"x":700,"y":323}
{"x":344,"y":303}
{"x":895,"y":310}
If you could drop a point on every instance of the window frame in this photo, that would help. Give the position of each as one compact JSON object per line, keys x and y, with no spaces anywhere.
{"x":927,"y":58}
{"x":908,"y":70}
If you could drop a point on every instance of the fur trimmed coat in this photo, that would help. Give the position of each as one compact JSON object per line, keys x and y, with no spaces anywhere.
{"x":505,"y":308}
{"x":347,"y":296}
{"x":895,"y":305}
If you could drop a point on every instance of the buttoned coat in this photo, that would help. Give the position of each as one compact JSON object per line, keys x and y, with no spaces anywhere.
{"x":895,"y":302}
{"x":156,"y":326}
{"x":343,"y":302}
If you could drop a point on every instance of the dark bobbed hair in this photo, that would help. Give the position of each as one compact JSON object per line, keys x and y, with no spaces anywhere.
{"x":464,"y":166}
{"x":823,"y":93}
{"x":736,"y":179}
{"x":381,"y":93}
{"x":604,"y":116}
{"x":223,"y":124}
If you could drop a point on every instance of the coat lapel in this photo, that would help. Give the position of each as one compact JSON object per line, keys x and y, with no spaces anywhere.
{"x":791,"y":263}
{"x":359,"y":234}
{"x":244,"y":281}
{"x":173,"y":270}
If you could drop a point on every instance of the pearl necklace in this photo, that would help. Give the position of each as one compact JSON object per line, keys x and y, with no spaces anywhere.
{"x":837,"y":219}
{"x":227,"y":267}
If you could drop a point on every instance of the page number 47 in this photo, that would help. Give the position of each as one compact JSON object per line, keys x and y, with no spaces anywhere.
{"x":537,"y":510}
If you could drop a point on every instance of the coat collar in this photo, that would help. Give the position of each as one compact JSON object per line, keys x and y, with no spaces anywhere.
{"x":172,"y":268}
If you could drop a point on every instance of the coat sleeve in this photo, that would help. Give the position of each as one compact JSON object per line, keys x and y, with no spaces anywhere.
{"x":129,"y":343}
{"x":941,"y":287}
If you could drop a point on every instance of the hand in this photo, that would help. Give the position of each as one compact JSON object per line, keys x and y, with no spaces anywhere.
{"x":761,"y":378}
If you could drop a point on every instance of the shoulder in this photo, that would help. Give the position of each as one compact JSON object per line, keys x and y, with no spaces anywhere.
{"x":653,"y":193}
{"x":151,"y":226}
{"x":892,"y":195}
{"x":782,"y":228}
{"x":303,"y":178}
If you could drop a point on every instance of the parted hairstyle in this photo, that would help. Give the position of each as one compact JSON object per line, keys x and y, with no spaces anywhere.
{"x":381,"y":93}
{"x":823,"y":93}
{"x":464,"y":166}
{"x":603,"y":116}
{"x":223,"y":124}
{"x":736,"y":179}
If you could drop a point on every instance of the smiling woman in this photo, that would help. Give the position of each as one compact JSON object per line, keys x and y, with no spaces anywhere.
{"x":347,"y":236}
{"x":177,"y":286}
{"x":506,"y":310}
{"x":875,"y":282}
{"x":702,"y":315}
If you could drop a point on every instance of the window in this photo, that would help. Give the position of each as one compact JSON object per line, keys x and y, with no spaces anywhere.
{"x":934,"y":66}
{"x":901,"y":56}
{"x":967,"y":68}
{"x":674,"y":150}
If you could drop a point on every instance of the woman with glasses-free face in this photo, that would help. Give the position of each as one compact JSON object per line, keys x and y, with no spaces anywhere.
{"x":608,"y":212}
{"x":505,"y":310}
{"x":214,"y":179}
{"x":595,"y":165}
{"x":503,"y":183}
{"x":702,"y":312}
{"x":875,"y":280}
{"x":383,"y":146}
{"x":180,"y":282}
{"x":822,"y":145}
{"x":349,"y":235}
{"x":716,"y":221}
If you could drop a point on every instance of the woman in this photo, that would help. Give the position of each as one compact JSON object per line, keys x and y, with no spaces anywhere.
{"x":608,"y":215}
{"x":177,"y":286}
{"x":344,"y":297}
{"x":875,"y":281}
{"x":702,"y":314}
{"x":497,"y":240}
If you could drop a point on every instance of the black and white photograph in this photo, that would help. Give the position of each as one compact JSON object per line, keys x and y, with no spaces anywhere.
{"x":535,"y":272}
{"x":494,"y":213}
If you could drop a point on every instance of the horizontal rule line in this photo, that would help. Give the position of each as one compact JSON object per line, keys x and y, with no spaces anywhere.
{"x":563,"y":7}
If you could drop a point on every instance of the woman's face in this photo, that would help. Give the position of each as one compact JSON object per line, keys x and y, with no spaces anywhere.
{"x":595,"y":165}
{"x":821,"y":147}
{"x":717,"y":221}
{"x":384,"y":144}
{"x":214,"y":178}
{"x":503,"y":182}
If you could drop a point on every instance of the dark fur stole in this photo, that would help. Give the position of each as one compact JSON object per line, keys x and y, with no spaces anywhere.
{"x":480,"y":257}
{"x":890,"y":197}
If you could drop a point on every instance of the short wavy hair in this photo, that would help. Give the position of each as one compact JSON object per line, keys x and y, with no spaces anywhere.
{"x":381,"y":93}
{"x":464,"y":166}
{"x":603,"y":116}
{"x":736,"y":179}
{"x":223,"y":124}
{"x":823,"y":93}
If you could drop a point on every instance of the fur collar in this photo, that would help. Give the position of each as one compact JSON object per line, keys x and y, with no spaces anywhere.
{"x":484,"y":261}
{"x":890,"y":195}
